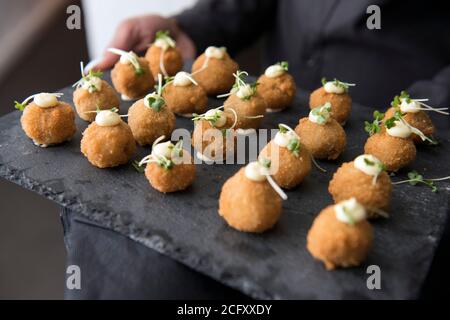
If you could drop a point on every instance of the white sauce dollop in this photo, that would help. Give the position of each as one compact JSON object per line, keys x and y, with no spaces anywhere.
{"x":411,"y":107}
{"x":162,"y":43}
{"x":150,"y":95}
{"x":255,"y":171}
{"x":181,"y":79}
{"x":163,"y":149}
{"x":362,"y":163}
{"x":107,"y":118}
{"x":317,"y":118}
{"x":93,"y":84}
{"x":244,"y":91}
{"x":46,"y":100}
{"x":331,"y":87}
{"x":274,"y":71}
{"x":214,"y":52}
{"x":221,"y":121}
{"x":350,"y":211}
{"x":283,"y":139}
{"x":400,"y":130}
{"x":126,"y":59}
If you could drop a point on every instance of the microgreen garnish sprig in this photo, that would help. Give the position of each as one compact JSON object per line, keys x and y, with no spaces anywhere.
{"x":340,"y":84}
{"x":398,"y":117}
{"x":322,"y":113}
{"x":415,"y":178}
{"x":294,"y":143}
{"x":375,"y":126}
{"x":239,"y":83}
{"x":87,"y":77}
{"x":132,"y":57}
{"x":155,"y":99}
{"x":163,"y":161}
{"x":284,"y":65}
{"x":21,"y":105}
{"x":404,"y":96}
{"x":98,"y":109}
{"x":164,"y":35}
{"x":380,"y":167}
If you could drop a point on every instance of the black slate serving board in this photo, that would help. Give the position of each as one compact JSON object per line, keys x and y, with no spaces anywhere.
{"x":187,"y":227}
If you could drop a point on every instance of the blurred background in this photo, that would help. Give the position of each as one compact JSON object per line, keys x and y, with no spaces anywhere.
{"x":38,"y":53}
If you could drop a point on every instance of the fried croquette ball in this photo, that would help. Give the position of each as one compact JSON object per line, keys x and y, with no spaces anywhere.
{"x":394,"y":152}
{"x":337,"y":96}
{"x":250,"y":111}
{"x":325,"y":139}
{"x":419,"y":120}
{"x":340,"y":236}
{"x":87,"y":100}
{"x":249,"y":204}
{"x":365,"y":180}
{"x":131,"y":82}
{"x":290,"y":162}
{"x":211,"y":139}
{"x":277,"y":87}
{"x":48,"y":121}
{"x":169,"y":167}
{"x":213,"y":70}
{"x":169,"y":57}
{"x":150,"y":118}
{"x":184,"y":97}
{"x":108,"y":142}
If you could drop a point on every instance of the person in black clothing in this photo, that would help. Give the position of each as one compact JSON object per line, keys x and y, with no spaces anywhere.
{"x":325,"y":38}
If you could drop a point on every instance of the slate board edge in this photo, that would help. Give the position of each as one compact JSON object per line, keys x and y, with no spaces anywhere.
{"x":152,"y":241}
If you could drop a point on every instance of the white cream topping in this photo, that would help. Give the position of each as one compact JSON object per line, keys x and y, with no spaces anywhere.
{"x":214,"y":52}
{"x":163,"y":149}
{"x":400,"y":130}
{"x":331,"y":87}
{"x":350,"y":211}
{"x":412,"y":106}
{"x":274,"y":71}
{"x":244,"y":91}
{"x":221,"y":120}
{"x":127,"y":58}
{"x":283,"y":139}
{"x":181,"y":79}
{"x":46,"y":100}
{"x":319,"y":116}
{"x":107,"y":118}
{"x":162,"y":43}
{"x":255,"y":171}
{"x":92,"y":84}
{"x":368,"y":164}
{"x":150,"y":95}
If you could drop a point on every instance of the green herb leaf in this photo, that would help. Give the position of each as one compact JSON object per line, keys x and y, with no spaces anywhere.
{"x":164,"y":162}
{"x":139,"y":71}
{"x":156,"y":103}
{"x":282,"y":129}
{"x":266,"y":163}
{"x":284,"y":65}
{"x":415,"y":178}
{"x":137,"y":167}
{"x":374,"y":127}
{"x":19,"y":106}
{"x":294,"y":146}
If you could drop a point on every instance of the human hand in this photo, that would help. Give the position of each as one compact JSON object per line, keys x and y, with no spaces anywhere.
{"x":137,"y":34}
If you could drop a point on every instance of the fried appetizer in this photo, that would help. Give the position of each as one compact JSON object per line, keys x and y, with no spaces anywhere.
{"x":47,"y":121}
{"x":92,"y":93}
{"x":184,"y":96}
{"x":322,"y":135}
{"x":290,"y":160}
{"x":108,"y":142}
{"x":150,"y":118}
{"x":365,"y":180}
{"x":163,"y":55}
{"x":250,"y":201}
{"x":214,"y":138}
{"x":245,"y":101}
{"x":277,"y":87}
{"x":131,"y":76}
{"x":336,"y":93}
{"x":340,"y":235}
{"x":169,"y":167}
{"x":214,"y":70}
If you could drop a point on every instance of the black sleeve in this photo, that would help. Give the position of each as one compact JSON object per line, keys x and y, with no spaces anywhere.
{"x":234,"y":24}
{"x":436,"y":89}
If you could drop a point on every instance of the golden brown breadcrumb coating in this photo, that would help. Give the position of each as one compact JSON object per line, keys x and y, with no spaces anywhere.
{"x":278,"y":92}
{"x":173,"y":62}
{"x":325,"y":141}
{"x":107,"y":147}
{"x":130,"y":84}
{"x":341,"y":104}
{"x":49,"y":126}
{"x":148,"y":124}
{"x":246,"y":109}
{"x":419,"y":120}
{"x":86,"y":102}
{"x":248,"y":205}
{"x":185,"y":99}
{"x":338,"y":244}
{"x":217,"y":78}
